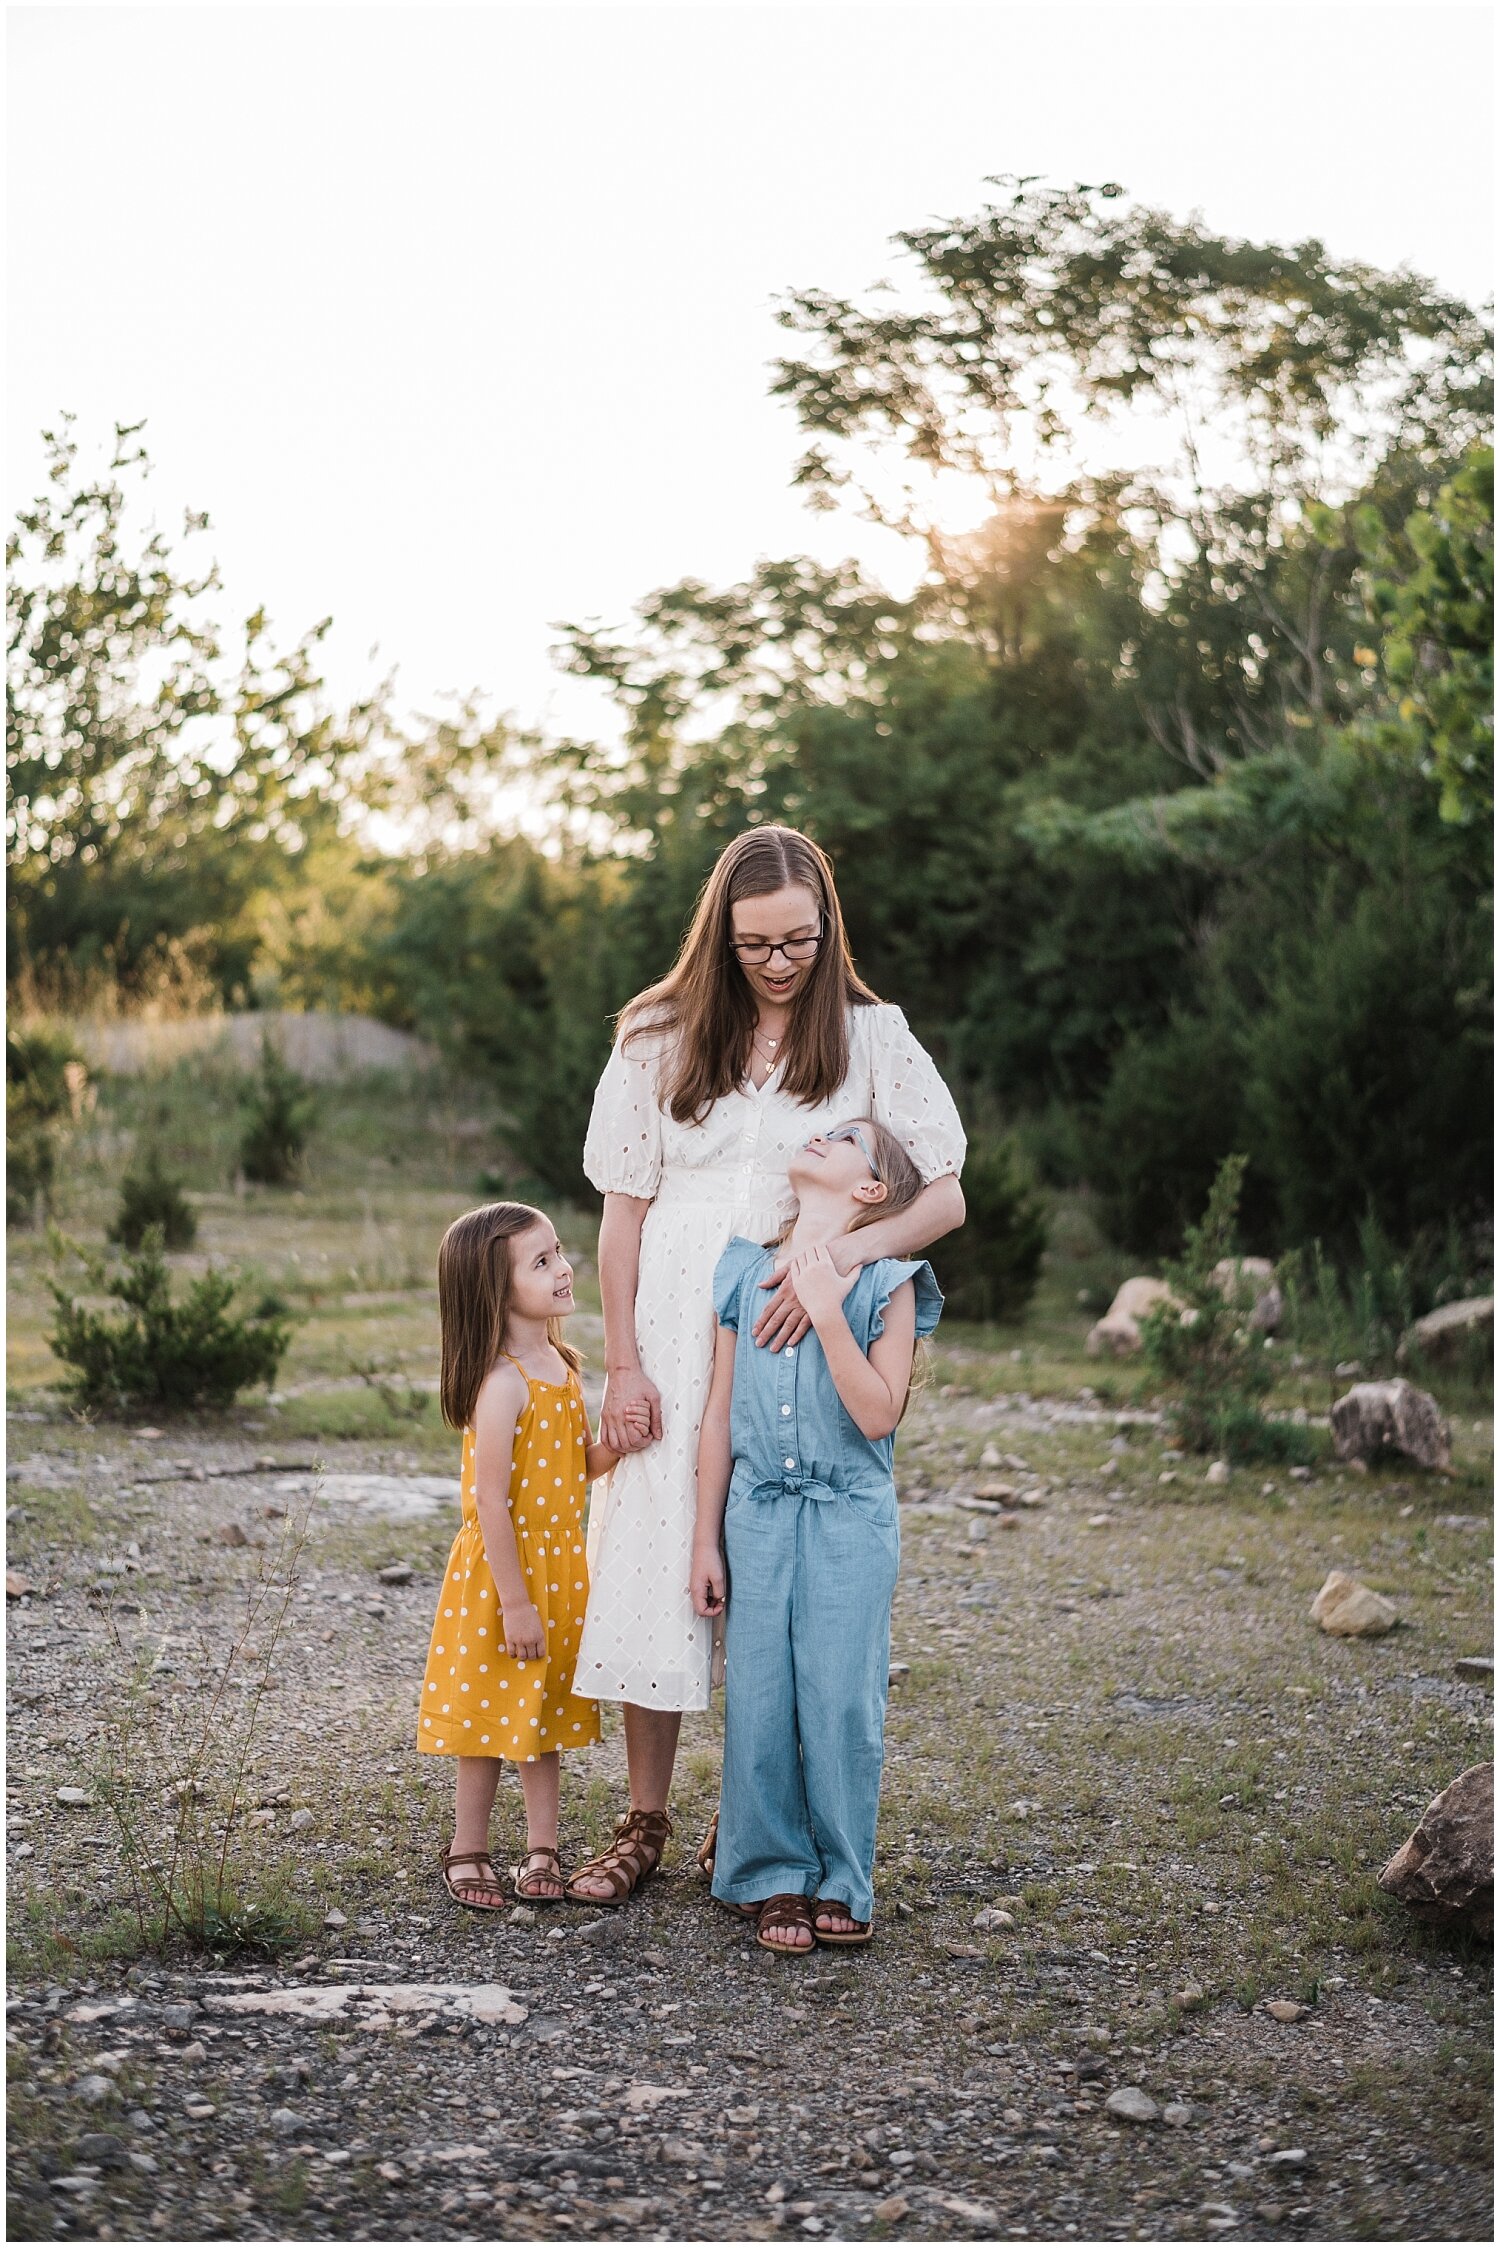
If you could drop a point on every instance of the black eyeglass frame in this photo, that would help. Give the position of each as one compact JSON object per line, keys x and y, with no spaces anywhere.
{"x":758,"y":956}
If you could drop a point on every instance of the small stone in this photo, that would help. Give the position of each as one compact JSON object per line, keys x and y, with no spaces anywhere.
{"x":396,"y":1573}
{"x":335,"y":1919}
{"x":1013,"y":2119}
{"x":23,"y":1850}
{"x":180,"y":2016}
{"x":1287,"y":2158}
{"x":17,"y":1586}
{"x":1190,"y":1995}
{"x":230,"y":1534}
{"x":1169,"y":1475}
{"x":391,"y":2172}
{"x":891,"y":2210}
{"x":1300,"y":1474}
{"x":1131,"y":2105}
{"x":992,"y":1916}
{"x":74,"y":1798}
{"x":589,"y":1931}
{"x":145,"y":2163}
{"x":963,"y":1951}
{"x":991,"y":1457}
{"x":522,"y":1916}
{"x":1286,"y":2010}
{"x":1177,"y":2113}
{"x":199,"y":2111}
{"x":285,"y":2119}
{"x":94,"y":2089}
{"x":74,"y":2182}
{"x":1100,"y":1521}
{"x":897,"y":1672}
{"x":654,"y":1959}
{"x":1474,"y":1666}
{"x":1218,"y":1472}
{"x":300,"y":1821}
{"x":775,"y":2192}
{"x":101,"y":2147}
{"x":197,"y":2051}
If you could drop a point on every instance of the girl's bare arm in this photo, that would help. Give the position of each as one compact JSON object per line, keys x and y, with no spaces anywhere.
{"x":502,"y":1397}
{"x":715,"y":1466}
{"x":873,"y":1389}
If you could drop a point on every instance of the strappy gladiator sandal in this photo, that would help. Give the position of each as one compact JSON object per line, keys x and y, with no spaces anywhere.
{"x":858,"y":1931}
{"x":631,"y":1858}
{"x":537,"y":1866}
{"x":785,"y":1912}
{"x":484,"y":1878}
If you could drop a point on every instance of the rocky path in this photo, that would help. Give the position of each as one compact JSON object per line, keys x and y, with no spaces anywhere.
{"x":1132,"y":1796}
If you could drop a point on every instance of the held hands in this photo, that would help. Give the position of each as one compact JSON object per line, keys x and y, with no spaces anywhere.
{"x":786,"y":1317}
{"x":524,"y":1637}
{"x":630,"y":1417}
{"x":709,"y":1583}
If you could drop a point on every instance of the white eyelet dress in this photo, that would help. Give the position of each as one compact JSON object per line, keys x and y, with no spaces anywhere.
{"x":707,"y":1182}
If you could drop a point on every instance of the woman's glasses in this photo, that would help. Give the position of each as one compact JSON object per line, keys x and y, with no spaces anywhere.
{"x":853,"y":1132}
{"x":794,"y":950}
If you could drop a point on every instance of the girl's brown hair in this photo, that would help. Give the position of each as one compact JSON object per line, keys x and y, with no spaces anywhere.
{"x":706,"y":1005}
{"x":473,"y":1274}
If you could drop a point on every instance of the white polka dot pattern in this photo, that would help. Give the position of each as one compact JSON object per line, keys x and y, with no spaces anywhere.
{"x":641,"y":1641}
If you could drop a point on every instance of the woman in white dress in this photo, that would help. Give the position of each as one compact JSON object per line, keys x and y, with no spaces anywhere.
{"x":761,"y":1035}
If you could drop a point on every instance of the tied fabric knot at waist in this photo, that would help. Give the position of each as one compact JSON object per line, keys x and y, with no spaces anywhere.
{"x":793,"y":1487}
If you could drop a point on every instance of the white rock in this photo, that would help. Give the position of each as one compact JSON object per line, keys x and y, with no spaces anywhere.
{"x":1218,"y":1472}
{"x":1349,"y":1610}
{"x":75,"y":1798}
{"x":1118,"y":1333}
{"x":335,"y":1919}
{"x":992,"y":1916}
{"x":300,"y":1821}
{"x":1131,"y":2105}
{"x":94,"y":2088}
{"x":1177,"y":2113}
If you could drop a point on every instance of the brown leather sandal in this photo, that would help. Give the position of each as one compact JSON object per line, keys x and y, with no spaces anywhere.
{"x":708,"y":1849}
{"x":859,"y":1933}
{"x":631,"y":1858}
{"x":784,"y":1912}
{"x":494,"y":1898}
{"x":538,"y":1865}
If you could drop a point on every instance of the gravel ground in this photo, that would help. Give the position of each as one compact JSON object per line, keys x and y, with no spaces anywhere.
{"x":1113,"y":1725}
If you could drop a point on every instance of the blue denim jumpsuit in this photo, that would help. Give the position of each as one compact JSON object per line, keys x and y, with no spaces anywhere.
{"x":812,"y":1546}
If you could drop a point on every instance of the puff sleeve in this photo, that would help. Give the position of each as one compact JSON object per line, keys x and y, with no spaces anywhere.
{"x":729,"y":1280}
{"x":910,"y":1099}
{"x":622,"y":1148}
{"x":886,"y":1276}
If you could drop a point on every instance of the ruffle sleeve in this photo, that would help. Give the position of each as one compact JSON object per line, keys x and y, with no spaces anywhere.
{"x":729,"y":1279}
{"x":622,"y":1147}
{"x":910,"y":1098}
{"x":886,"y":1276}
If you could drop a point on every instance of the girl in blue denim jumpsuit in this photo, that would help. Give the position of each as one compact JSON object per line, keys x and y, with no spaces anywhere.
{"x":795,"y":1474}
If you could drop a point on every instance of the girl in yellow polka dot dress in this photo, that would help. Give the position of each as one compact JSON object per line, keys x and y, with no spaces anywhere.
{"x":499,"y":1678}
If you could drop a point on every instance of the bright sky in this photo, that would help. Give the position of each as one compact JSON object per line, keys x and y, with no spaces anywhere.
{"x":457,"y":319}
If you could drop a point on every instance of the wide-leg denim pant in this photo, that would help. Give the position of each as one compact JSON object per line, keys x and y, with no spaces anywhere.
{"x":812,"y":1572}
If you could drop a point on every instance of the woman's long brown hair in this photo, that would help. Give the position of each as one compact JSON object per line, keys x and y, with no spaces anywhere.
{"x":705,"y":1005}
{"x":473,"y":1275}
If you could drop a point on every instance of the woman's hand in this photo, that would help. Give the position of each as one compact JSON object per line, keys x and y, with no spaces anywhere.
{"x":818,"y":1280}
{"x":524,"y":1636}
{"x":785,"y":1319}
{"x":708,"y":1584}
{"x":630,"y":1417}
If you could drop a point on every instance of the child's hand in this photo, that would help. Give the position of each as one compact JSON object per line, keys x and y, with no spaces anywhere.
{"x":709,"y":1582}
{"x":638,"y":1415}
{"x":524,"y":1636}
{"x":820,"y":1285}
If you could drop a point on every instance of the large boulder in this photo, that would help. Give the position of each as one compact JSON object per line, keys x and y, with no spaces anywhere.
{"x":1118,"y":1333}
{"x":1444,"y":1334}
{"x":1445,"y":1870}
{"x":1350,"y":1610}
{"x":1236,"y":1278}
{"x":1376,"y":1417}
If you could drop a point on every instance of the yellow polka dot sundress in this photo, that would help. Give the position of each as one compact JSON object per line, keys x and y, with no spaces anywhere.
{"x":476,"y":1699}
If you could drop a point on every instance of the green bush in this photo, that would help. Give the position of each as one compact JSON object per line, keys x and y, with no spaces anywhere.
{"x":164,"y":1355}
{"x":989,"y":1269}
{"x":1202,"y":1342}
{"x":280,"y":1111}
{"x":148,"y":1197}
{"x":1163,"y":1125}
{"x":44,"y":1080}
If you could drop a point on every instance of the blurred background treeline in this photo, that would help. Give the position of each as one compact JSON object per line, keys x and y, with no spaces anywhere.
{"x":1162,"y":805}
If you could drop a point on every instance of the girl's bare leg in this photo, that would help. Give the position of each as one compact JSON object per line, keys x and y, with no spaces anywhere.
{"x":539,"y":1789}
{"x":473,"y":1874}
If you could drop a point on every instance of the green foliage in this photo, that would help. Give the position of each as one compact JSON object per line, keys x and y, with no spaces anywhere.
{"x":989,"y":1269}
{"x":279,"y":1116}
{"x":1358,"y":1310}
{"x":1435,"y":605}
{"x":164,"y":1354}
{"x":1201,"y":1341}
{"x":148,"y":1197}
{"x":1161,"y":1128}
{"x":44,"y":1084}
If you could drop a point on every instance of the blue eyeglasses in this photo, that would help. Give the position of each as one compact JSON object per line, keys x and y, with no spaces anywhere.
{"x":853,"y":1132}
